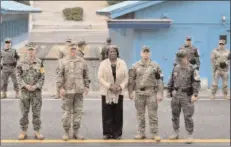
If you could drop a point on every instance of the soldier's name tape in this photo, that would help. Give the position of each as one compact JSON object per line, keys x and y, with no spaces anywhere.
{"x":119,"y":141}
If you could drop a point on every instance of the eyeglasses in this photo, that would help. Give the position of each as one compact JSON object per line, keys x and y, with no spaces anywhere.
{"x":73,"y":48}
{"x":221,"y":44}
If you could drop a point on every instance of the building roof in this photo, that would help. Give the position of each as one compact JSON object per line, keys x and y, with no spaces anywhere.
{"x":15,"y":7}
{"x":125,"y":7}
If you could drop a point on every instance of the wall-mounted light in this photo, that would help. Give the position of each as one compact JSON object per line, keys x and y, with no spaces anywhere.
{"x":223,"y":18}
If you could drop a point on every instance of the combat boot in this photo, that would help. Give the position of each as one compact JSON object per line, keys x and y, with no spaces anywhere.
{"x":3,"y":95}
{"x":212,"y":97}
{"x":189,"y":139}
{"x":22,"y":135}
{"x":76,"y":136}
{"x":38,"y":135}
{"x":175,"y":135}
{"x":57,"y":94}
{"x":226,"y":97}
{"x":66,"y":136}
{"x":157,"y":138}
{"x":17,"y":94}
{"x":140,"y":136}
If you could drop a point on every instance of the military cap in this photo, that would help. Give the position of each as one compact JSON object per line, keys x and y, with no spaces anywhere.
{"x":222,"y":41}
{"x":68,"y":40}
{"x":81,"y":43}
{"x":73,"y":46}
{"x":188,"y":38}
{"x":145,"y":48}
{"x":181,"y":54}
{"x":8,"y":40}
{"x":31,"y":46}
{"x":108,"y":39}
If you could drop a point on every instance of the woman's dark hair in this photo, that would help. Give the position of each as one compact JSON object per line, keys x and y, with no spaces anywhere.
{"x":113,"y":47}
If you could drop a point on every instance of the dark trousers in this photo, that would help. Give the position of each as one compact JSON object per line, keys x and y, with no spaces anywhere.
{"x":112,"y":116}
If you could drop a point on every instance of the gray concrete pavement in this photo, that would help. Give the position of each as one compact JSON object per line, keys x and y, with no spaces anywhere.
{"x":212,"y":121}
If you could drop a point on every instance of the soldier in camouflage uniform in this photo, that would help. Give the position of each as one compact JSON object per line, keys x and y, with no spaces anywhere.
{"x":81,"y":48}
{"x":73,"y":82}
{"x":61,"y":54}
{"x":184,"y":86}
{"x":9,"y":58}
{"x":104,"y":51}
{"x":192,"y":51}
{"x":30,"y":73}
{"x":146,"y":80}
{"x":220,"y":64}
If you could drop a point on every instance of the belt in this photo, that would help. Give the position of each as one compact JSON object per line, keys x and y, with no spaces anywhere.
{"x":183,"y":89}
{"x":147,"y":88}
{"x":8,"y":64}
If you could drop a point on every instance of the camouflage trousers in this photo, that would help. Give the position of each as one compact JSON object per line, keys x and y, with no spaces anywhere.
{"x":141,"y":101}
{"x":182,"y":101}
{"x":72,"y":105}
{"x":224,"y":75}
{"x":5,"y":78}
{"x":35,"y":100}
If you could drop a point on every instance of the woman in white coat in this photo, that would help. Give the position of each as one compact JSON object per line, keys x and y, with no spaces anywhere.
{"x":113,"y":79}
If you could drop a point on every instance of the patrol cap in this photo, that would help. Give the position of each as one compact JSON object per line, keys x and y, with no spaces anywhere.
{"x":81,"y":43}
{"x":145,"y":48}
{"x":108,"y":39}
{"x":181,"y":54}
{"x":31,"y":47}
{"x":221,"y":41}
{"x":73,"y":46}
{"x":188,"y":38}
{"x":8,"y":40}
{"x":68,"y":40}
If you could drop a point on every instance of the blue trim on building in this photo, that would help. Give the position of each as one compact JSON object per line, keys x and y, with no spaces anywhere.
{"x":12,"y":6}
{"x":125,"y":8}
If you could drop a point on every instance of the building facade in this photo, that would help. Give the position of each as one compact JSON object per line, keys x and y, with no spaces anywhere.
{"x":163,"y":25}
{"x":15,"y":22}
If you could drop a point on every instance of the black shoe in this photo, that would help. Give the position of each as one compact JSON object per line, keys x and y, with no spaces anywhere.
{"x":116,"y":137}
{"x":106,"y":137}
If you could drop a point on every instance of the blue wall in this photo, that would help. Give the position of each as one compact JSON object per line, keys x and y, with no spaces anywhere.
{"x":195,"y":18}
{"x":15,"y":27}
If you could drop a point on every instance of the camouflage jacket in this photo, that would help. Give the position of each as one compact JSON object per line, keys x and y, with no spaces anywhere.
{"x":145,"y":78}
{"x":185,"y":78}
{"x":218,"y":57}
{"x":9,"y":58}
{"x":193,"y":54}
{"x":31,"y":73}
{"x":73,"y":75}
{"x":63,"y":52}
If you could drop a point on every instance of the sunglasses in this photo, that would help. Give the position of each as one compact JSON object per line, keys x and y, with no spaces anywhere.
{"x":221,"y":44}
{"x":68,"y":41}
{"x":188,"y":39}
{"x":7,"y":42}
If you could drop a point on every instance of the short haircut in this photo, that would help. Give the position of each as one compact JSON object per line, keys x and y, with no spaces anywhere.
{"x":113,"y":47}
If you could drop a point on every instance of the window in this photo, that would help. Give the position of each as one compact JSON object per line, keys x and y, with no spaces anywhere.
{"x":223,"y":37}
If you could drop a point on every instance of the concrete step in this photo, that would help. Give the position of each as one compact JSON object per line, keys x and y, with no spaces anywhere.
{"x":84,"y":31}
{"x":70,"y":26}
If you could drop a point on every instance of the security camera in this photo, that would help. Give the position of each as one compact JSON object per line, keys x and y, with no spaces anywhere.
{"x":223,"y":18}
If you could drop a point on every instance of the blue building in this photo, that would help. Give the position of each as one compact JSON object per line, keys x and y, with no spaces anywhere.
{"x":163,"y":25}
{"x":15,"y":22}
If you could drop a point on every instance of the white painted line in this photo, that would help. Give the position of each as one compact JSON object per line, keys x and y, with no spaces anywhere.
{"x":97,"y":99}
